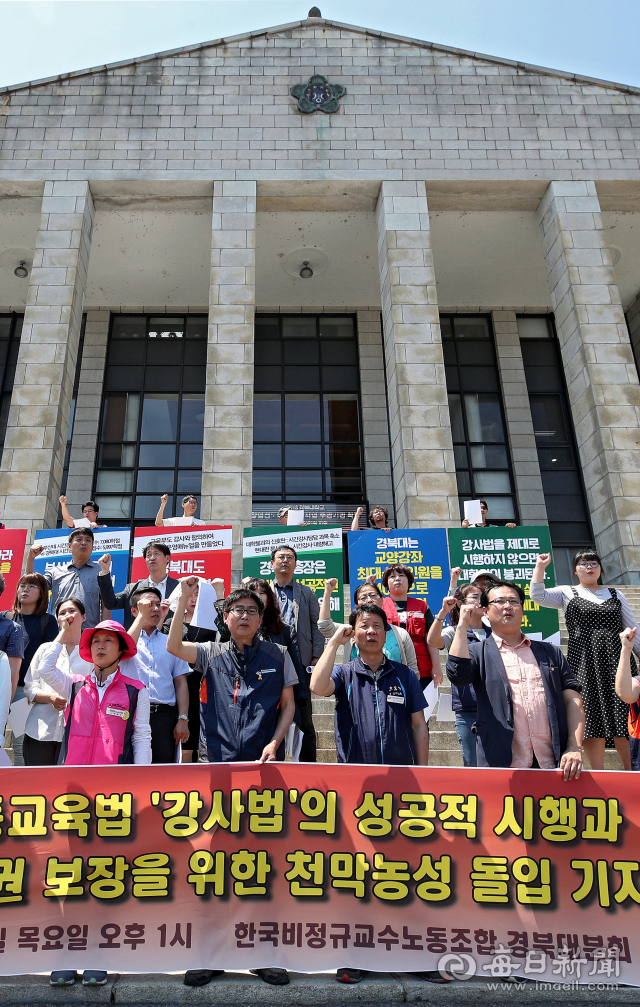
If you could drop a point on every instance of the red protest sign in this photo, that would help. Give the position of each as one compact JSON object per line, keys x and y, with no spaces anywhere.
{"x":492,"y":872}
{"x":12,"y":543}
{"x":201,"y":551}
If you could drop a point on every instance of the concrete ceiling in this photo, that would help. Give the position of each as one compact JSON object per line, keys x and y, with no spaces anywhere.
{"x":346,"y":238}
{"x":488,"y":259}
{"x":19,"y":221}
{"x":155,"y":253}
{"x":623,"y":234}
{"x":150,"y":257}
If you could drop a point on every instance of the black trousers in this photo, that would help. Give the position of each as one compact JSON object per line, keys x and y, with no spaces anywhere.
{"x":163,"y":719}
{"x":309,"y":741}
{"x":193,"y":683}
{"x":40,"y":753}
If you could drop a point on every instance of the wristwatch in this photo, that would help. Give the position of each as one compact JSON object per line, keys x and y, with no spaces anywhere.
{"x":183,"y":716}
{"x":439,"y":619}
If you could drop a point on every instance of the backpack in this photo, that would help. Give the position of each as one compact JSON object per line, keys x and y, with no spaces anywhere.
{"x":44,"y":621}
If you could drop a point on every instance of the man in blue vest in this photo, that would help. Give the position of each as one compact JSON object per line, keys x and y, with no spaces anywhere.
{"x":379,"y":704}
{"x":246,"y":702}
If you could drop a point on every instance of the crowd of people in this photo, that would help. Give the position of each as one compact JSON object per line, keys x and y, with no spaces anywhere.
{"x":160,"y":689}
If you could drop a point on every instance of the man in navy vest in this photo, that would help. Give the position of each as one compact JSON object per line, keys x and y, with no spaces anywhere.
{"x":246,"y":702}
{"x":379,"y":705}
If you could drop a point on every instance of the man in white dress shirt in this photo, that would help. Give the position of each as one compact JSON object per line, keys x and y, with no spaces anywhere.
{"x":189,"y":508}
{"x":164,"y":675}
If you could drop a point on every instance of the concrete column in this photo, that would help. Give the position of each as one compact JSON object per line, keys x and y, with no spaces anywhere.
{"x":522,"y":441}
{"x":375,"y":425}
{"x":38,"y":423}
{"x":228,"y":426}
{"x":82,"y":460}
{"x":602,"y":379}
{"x":421,"y":448}
{"x":633,"y":323}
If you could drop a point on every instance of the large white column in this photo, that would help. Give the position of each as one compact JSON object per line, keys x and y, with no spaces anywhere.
{"x":228,"y":426}
{"x":82,"y":460}
{"x":38,"y":423}
{"x":602,"y":379}
{"x":373,"y":398}
{"x":421,"y":446}
{"x":522,"y":440}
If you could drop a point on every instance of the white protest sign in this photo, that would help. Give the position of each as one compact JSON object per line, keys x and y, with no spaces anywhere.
{"x":473,"y":511}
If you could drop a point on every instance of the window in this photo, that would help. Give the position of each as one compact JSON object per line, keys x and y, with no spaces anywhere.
{"x":152,"y":422}
{"x":306,"y":419}
{"x":10,"y":331}
{"x":564,"y":493}
{"x":483,"y":465}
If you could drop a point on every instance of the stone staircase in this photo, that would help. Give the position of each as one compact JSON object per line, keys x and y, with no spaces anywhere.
{"x":444,"y":749}
{"x":323,"y":719}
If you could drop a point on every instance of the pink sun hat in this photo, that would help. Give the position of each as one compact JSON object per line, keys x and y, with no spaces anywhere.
{"x":113,"y":627}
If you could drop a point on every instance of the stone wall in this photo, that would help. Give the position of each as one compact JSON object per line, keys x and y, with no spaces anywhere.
{"x":412,"y":110}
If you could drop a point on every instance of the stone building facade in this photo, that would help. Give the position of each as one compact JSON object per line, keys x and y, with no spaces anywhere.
{"x":470,"y":216}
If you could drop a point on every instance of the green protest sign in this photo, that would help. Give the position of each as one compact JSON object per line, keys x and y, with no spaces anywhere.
{"x":319,"y":549}
{"x":510,"y":554}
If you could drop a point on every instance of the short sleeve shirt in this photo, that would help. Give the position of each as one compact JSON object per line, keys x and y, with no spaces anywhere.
{"x":11,"y":638}
{"x":156,"y":667}
{"x":77,"y":582}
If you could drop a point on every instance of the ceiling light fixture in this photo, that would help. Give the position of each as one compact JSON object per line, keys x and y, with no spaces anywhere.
{"x":21,"y":271}
{"x":306,"y":272}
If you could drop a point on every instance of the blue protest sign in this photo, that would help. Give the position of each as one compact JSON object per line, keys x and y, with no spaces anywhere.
{"x":56,"y":553}
{"x":423,"y":550}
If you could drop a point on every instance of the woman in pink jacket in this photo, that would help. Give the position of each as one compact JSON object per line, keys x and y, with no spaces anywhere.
{"x":106,"y":718}
{"x":107,"y":714}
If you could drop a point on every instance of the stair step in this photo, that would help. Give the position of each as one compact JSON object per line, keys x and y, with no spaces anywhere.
{"x":448,"y":757}
{"x":323,"y":721}
{"x":441,"y":740}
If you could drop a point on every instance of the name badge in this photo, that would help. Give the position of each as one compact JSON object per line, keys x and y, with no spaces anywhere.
{"x":416,"y":615}
{"x":268,"y":671}
{"x":115,"y":712}
{"x":395,"y":699}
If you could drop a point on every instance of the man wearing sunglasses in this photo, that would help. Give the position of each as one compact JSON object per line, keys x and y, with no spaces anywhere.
{"x":246,"y":702}
{"x":530,"y":713}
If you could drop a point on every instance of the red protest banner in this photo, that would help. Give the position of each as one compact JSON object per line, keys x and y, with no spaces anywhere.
{"x":201,"y":550}
{"x":12,"y":545}
{"x":314,"y":867}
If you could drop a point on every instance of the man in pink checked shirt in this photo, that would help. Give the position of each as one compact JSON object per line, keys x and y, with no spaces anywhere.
{"x":530,"y":713}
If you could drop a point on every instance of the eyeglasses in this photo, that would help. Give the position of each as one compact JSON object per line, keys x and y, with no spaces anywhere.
{"x":501,"y":602}
{"x":588,"y":566}
{"x":285,"y":558}
{"x":244,"y":611}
